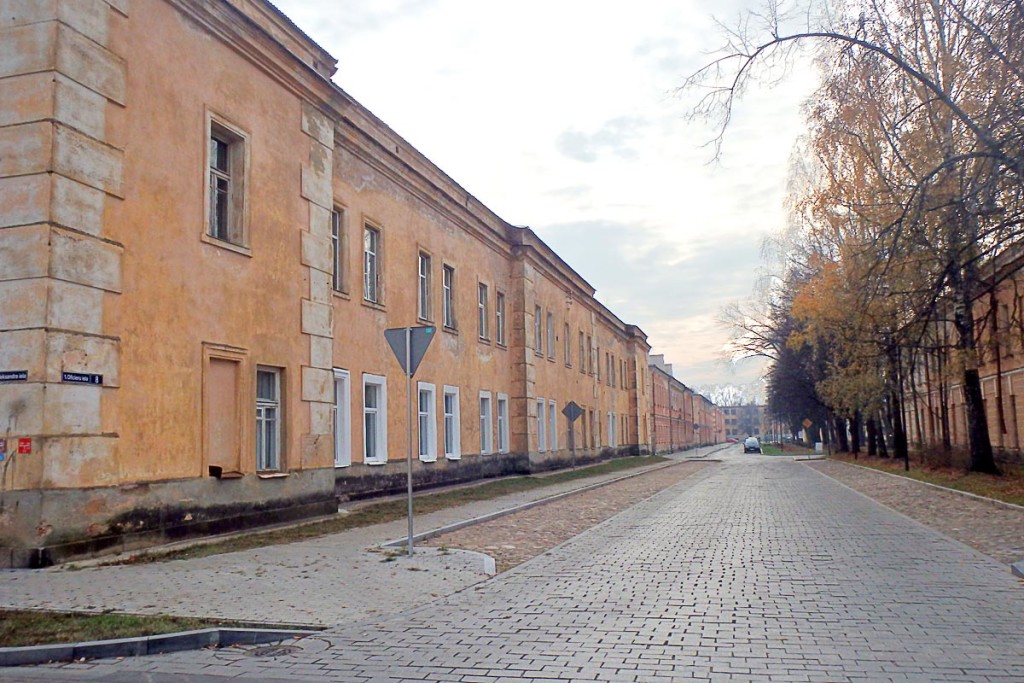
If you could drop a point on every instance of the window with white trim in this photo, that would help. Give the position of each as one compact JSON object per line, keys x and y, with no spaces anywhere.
{"x":268,"y":419}
{"x":542,"y":442}
{"x":583,"y":355}
{"x":226,"y":177}
{"x":503,"y":430}
{"x":423,"y":290}
{"x":426,"y":403}
{"x":339,"y":248}
{"x":342,"y":418}
{"x":538,"y":339}
{"x":551,"y":335}
{"x":371,"y":264}
{"x":448,"y":296}
{"x":567,"y":344}
{"x":499,"y":318}
{"x":483,"y":310}
{"x":552,"y":426}
{"x":452,"y":436}
{"x":486,"y":433}
{"x":375,"y":419}
{"x":611,"y":429}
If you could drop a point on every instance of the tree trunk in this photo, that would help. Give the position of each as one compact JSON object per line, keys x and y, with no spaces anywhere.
{"x":883,"y":450}
{"x":855,"y":434}
{"x":841,"y":440}
{"x":872,"y":437}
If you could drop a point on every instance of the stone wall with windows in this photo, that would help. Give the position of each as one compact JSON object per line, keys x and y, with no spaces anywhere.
{"x":197,"y":267}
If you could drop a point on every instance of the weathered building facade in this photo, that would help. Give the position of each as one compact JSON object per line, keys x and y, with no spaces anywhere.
{"x":682,"y":418}
{"x":197,"y":266}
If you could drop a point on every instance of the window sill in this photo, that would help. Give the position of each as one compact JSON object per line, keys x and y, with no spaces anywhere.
{"x":551,"y":358}
{"x":229,"y":246}
{"x":374,"y":305}
{"x":451,"y":330}
{"x":272,"y":475}
{"x":500,"y":345}
{"x":484,"y":340}
{"x":452,"y":457}
{"x":425,"y":321}
{"x":375,"y":463}
{"x":341,"y":295}
{"x":341,"y":467}
{"x":428,"y":460}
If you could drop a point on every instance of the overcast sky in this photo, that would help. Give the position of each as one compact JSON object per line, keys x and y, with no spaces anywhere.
{"x":561,"y":115}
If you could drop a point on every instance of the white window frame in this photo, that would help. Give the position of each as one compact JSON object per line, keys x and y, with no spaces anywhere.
{"x":269,"y":411}
{"x":381,"y":422}
{"x":448,"y":296}
{"x":372,"y":264}
{"x":486,"y":423}
{"x":483,"y":310}
{"x":499,"y":317}
{"x":503,"y":430}
{"x":538,"y":336}
{"x":338,"y":248}
{"x":342,"y":418}
{"x":542,"y":420}
{"x":611,"y":429}
{"x":236,"y":176}
{"x":551,"y":335}
{"x":426,"y":447}
{"x":552,"y":425}
{"x":452,"y":450}
{"x":424,"y":269}
{"x":567,"y":343}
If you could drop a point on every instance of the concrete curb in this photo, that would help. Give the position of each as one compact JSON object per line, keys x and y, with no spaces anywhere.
{"x":497,"y":514}
{"x":1001,"y":503}
{"x":144,"y":645}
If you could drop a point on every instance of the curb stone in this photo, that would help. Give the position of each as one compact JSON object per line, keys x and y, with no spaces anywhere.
{"x":145,"y":645}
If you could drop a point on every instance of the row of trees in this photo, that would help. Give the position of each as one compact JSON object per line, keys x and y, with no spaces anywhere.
{"x":908,"y":190}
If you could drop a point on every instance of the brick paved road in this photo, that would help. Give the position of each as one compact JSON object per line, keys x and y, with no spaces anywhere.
{"x":758,"y":570}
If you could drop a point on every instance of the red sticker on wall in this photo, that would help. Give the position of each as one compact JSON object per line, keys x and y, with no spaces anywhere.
{"x":24,"y":445}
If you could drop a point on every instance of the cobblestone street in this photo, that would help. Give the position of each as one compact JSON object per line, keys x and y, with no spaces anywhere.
{"x":757,"y":569}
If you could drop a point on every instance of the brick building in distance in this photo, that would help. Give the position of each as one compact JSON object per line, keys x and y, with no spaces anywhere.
{"x":682,"y":418}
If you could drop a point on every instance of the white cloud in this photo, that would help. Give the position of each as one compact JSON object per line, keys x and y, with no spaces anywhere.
{"x":562,"y":116}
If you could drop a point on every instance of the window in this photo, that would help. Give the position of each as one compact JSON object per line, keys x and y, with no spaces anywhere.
{"x":427,"y":410}
{"x":499,"y":318}
{"x":542,"y":442}
{"x":502,"y":423}
{"x":375,"y":420}
{"x":567,"y":346}
{"x":268,"y":419}
{"x":598,"y":354}
{"x":482,"y":308}
{"x":611,"y":429}
{"x":339,"y":247}
{"x":486,"y":437}
{"x":452,"y":442}
{"x":538,"y":341}
{"x":583,"y":356}
{"x":590,"y":355}
{"x":552,"y":425}
{"x":226,"y":177}
{"x":448,"y":296}
{"x":551,"y":336}
{"x":342,"y":419}
{"x":371,"y":264}
{"x":423,"y":300}
{"x":593,"y":429}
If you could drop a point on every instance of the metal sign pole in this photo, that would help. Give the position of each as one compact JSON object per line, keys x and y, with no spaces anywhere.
{"x":408,"y":426}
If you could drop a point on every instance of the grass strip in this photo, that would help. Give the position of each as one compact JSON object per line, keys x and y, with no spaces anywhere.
{"x":1007,"y":487}
{"x":387,"y":511}
{"x":790,"y":449}
{"x":19,"y":628}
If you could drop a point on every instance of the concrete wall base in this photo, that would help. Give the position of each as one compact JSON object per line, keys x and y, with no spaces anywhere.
{"x":109,"y":520}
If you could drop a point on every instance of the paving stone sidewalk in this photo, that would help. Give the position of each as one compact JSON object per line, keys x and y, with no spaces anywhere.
{"x":323,"y":581}
{"x":996,"y":530}
{"x":755,"y":570}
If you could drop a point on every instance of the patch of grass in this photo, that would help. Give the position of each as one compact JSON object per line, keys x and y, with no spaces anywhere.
{"x":30,"y":627}
{"x":786,"y":449}
{"x":1008,"y":487}
{"x":387,"y":511}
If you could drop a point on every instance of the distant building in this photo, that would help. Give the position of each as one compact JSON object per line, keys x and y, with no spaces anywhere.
{"x":744,"y":421}
{"x":682,"y":418}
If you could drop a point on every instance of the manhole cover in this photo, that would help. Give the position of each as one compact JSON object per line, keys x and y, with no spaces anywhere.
{"x":273,"y":651}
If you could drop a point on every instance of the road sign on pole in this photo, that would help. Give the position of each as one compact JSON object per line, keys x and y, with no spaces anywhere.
{"x":409,"y":345}
{"x":572,"y":412}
